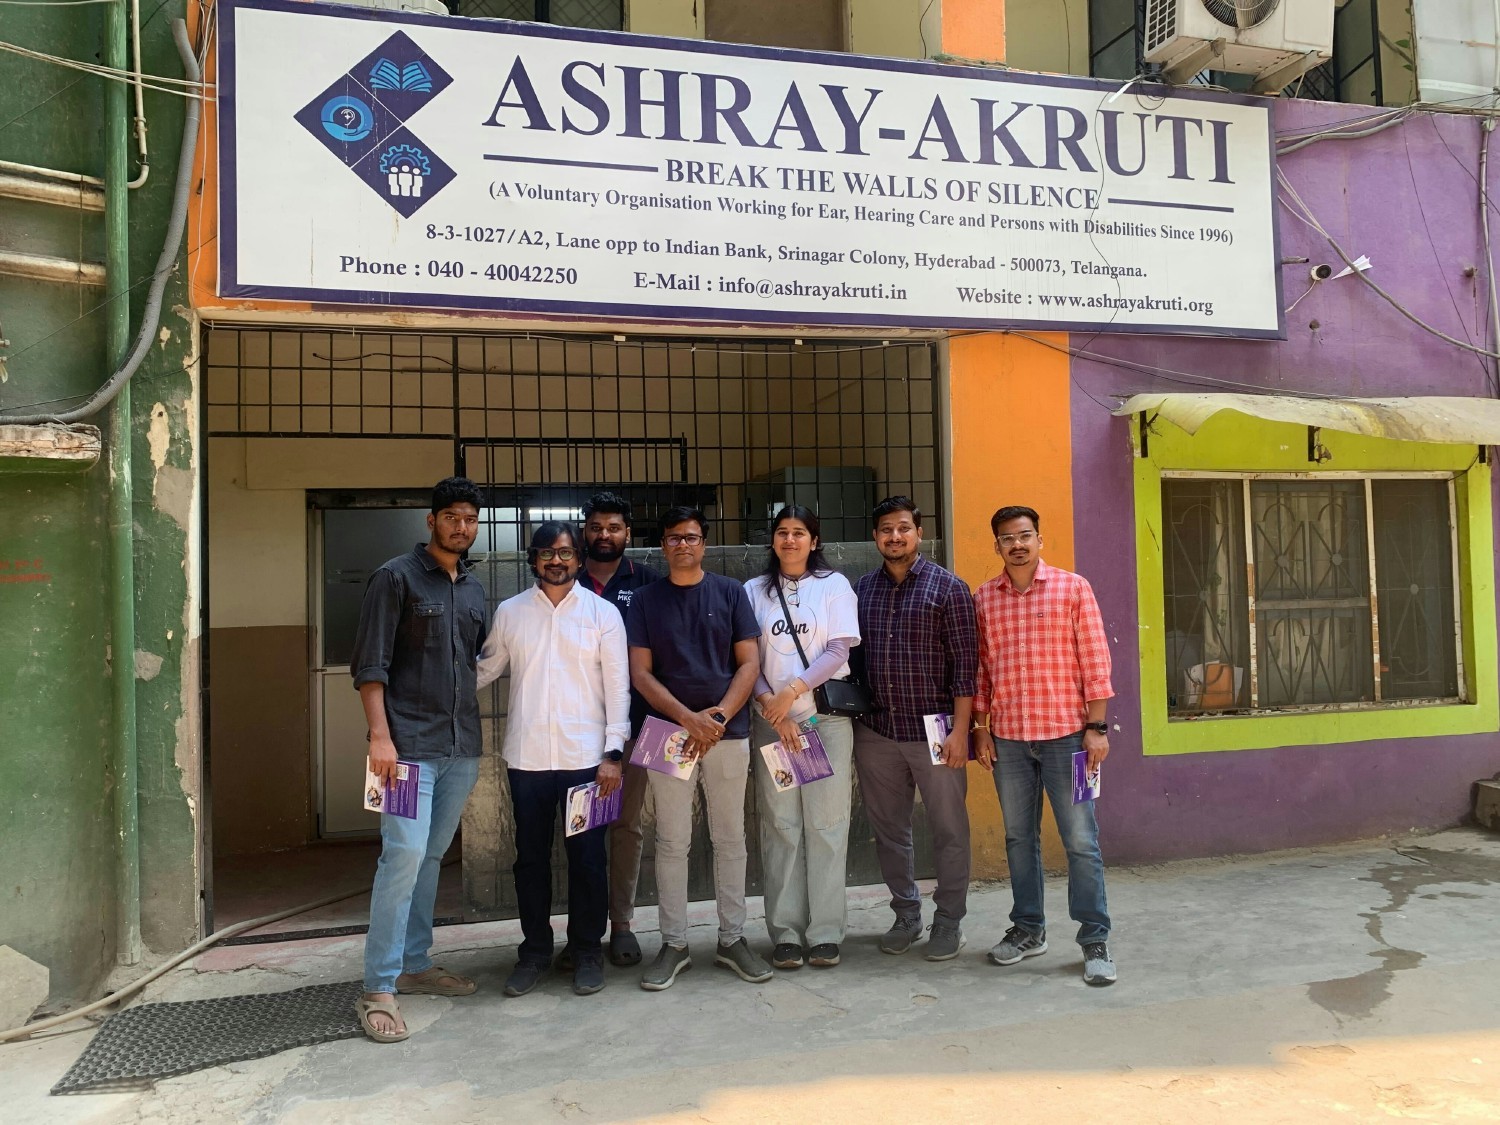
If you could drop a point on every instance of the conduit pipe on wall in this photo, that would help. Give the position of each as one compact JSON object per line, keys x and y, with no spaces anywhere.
{"x":165,"y":263}
{"x":121,"y":505}
{"x":140,"y":97}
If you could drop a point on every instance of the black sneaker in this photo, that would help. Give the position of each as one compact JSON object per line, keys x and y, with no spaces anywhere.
{"x":588,"y":973}
{"x":786,"y":956}
{"x":824,"y":955}
{"x":523,"y":978}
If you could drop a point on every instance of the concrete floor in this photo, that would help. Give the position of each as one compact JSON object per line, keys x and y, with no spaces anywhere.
{"x":1357,"y":983}
{"x":255,"y":886}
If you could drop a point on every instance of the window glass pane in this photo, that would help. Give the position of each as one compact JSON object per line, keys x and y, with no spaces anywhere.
{"x":602,"y":15}
{"x":1312,"y":593}
{"x":498,"y":9}
{"x":1112,"y":38}
{"x":1207,"y":619}
{"x":814,"y":25}
{"x":1414,"y":579}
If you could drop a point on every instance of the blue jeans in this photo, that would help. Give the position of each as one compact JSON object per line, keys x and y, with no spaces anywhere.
{"x":536,"y":795}
{"x":406,"y":880}
{"x":1022,"y":771}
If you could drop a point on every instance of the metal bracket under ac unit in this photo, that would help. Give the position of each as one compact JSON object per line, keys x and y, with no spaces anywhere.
{"x":1276,"y":79}
{"x":1186,"y":67}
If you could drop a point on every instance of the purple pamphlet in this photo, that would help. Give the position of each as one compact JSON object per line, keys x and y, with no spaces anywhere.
{"x":1085,"y":780}
{"x":398,"y":796}
{"x":938,"y":728}
{"x":661,"y":746}
{"x":790,"y":769}
{"x":586,"y":809}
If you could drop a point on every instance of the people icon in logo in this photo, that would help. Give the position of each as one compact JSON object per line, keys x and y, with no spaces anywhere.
{"x":405,"y":168}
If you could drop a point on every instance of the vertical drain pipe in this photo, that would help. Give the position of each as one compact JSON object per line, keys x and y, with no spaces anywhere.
{"x":121,"y":497}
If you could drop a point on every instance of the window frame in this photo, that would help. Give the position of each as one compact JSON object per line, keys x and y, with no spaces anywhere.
{"x":1367,"y":478}
{"x":1236,"y":444}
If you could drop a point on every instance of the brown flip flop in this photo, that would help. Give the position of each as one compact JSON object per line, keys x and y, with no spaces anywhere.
{"x":431,"y":983}
{"x":365,"y":1007}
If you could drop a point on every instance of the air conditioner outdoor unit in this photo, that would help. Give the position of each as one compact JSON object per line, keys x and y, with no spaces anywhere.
{"x":1276,"y":40}
{"x":424,"y":7}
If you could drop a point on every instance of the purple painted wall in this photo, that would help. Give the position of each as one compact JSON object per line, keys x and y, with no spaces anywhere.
{"x":1409,"y":198}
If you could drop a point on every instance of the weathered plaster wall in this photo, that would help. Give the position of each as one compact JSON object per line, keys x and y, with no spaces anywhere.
{"x":1407,"y":197}
{"x":55,"y":651}
{"x":56,"y":902}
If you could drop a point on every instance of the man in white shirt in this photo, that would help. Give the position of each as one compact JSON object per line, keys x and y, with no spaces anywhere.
{"x":569,"y":717}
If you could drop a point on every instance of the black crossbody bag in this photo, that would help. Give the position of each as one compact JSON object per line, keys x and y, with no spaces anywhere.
{"x":835,"y":697}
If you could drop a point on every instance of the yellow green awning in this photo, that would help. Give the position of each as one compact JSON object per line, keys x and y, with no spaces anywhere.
{"x":1462,"y":421}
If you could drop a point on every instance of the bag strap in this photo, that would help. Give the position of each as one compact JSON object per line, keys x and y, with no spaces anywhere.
{"x":790,"y":624}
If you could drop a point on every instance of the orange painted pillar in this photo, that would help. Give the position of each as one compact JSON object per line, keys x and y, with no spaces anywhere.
{"x":1009,"y":443}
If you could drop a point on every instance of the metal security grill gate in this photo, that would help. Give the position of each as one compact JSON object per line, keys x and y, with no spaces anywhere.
{"x":738,"y":427}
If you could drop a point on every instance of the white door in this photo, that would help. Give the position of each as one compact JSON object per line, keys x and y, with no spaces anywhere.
{"x":349,"y":545}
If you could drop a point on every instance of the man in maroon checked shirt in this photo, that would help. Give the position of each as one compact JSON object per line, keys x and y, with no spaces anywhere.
{"x":1042,"y":689}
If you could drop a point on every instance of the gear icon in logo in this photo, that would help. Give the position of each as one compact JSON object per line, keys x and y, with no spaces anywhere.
{"x":405,"y":167}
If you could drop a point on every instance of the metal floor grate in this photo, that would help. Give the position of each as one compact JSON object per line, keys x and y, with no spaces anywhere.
{"x":140,"y":1045}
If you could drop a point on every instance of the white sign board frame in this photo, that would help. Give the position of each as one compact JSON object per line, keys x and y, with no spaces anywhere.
{"x":394,"y":159}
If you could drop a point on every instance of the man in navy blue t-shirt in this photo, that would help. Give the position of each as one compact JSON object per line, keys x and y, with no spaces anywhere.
{"x":694,"y":657}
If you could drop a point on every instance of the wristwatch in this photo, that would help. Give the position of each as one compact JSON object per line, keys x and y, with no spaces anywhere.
{"x":717,"y":714}
{"x":614,"y":756}
{"x":1102,"y":728}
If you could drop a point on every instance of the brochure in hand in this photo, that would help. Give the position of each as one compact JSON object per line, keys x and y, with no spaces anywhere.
{"x":793,"y":768}
{"x":938,"y":727}
{"x":399,"y":797}
{"x":1085,"y":780}
{"x":661,"y":746}
{"x":586,"y":809}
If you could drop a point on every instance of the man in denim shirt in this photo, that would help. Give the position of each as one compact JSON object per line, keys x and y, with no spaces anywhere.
{"x":420,"y":629}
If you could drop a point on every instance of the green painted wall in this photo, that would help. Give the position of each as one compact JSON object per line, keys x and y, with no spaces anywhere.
{"x":58,"y":901}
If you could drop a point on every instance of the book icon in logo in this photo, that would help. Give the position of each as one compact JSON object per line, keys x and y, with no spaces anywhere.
{"x":386,"y":75}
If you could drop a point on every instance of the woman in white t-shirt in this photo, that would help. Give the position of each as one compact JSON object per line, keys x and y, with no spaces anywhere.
{"x":804,"y":831}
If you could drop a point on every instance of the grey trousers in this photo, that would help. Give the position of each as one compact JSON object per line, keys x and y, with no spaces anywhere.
{"x":804,"y":841}
{"x":722,"y":774}
{"x":890,"y":775}
{"x":626,"y":840}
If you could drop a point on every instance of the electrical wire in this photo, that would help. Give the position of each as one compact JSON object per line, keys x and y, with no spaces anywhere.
{"x":149,"y":81}
{"x":1304,"y":213}
{"x":26,"y":1031}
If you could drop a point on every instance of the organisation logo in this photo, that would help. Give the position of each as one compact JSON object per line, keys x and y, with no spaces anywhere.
{"x":362,"y":119}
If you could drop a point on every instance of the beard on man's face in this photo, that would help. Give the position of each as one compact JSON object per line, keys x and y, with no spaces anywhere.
{"x":604,"y":550}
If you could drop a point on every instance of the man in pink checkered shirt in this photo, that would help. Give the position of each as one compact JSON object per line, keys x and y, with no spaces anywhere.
{"x":1042,"y":691}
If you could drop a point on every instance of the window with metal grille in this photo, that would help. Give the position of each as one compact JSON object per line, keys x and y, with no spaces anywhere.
{"x":738,"y":427}
{"x":1290,"y":592}
{"x":603,"y":15}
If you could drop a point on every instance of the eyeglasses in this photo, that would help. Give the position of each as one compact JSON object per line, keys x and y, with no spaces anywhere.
{"x":1024,"y":538}
{"x":683,"y":540}
{"x":562,"y":554}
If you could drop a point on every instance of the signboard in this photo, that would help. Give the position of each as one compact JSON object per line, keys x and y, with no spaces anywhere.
{"x":415,"y":161}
